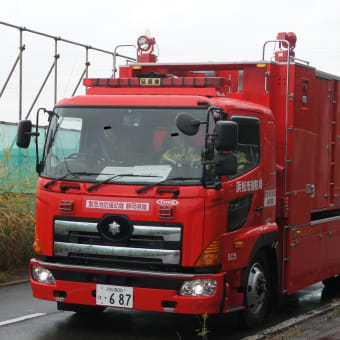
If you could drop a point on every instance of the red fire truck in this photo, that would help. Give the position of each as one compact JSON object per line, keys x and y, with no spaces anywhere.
{"x":190,"y":188}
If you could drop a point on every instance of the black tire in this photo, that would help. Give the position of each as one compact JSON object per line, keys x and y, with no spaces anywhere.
{"x":332,"y":282}
{"x":257,"y":291}
{"x":81,"y":309}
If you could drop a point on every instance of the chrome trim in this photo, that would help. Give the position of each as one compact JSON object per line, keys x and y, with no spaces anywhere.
{"x":168,"y":233}
{"x":63,"y":227}
{"x":167,"y":256}
{"x":261,"y":61}
{"x":236,"y":309}
{"x":110,"y":270}
{"x":325,"y":220}
{"x":168,"y":309}
{"x":315,"y":223}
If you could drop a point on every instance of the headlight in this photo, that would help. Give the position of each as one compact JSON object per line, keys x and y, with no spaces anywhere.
{"x":198,"y":288}
{"x":42,"y":275}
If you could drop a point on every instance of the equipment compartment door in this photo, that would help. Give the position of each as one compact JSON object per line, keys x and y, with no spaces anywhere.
{"x":332,"y":240}
{"x":305,"y":254}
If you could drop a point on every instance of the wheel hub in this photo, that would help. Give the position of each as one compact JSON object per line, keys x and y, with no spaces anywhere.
{"x":256,"y":288}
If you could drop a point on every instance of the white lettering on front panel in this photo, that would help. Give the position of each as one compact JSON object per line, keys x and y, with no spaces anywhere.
{"x":114,"y":205}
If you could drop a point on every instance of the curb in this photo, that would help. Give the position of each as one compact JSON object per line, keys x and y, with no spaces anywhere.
{"x":285,"y":325}
{"x":12,"y":283}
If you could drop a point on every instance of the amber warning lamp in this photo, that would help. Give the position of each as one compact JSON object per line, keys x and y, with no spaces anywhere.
{"x":145,"y":49}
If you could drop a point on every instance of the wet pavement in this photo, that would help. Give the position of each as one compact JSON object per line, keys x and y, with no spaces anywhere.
{"x":320,"y":323}
{"x":23,"y":317}
{"x":325,"y":326}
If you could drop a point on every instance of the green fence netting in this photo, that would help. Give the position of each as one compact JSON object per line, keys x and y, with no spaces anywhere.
{"x":17,"y":166}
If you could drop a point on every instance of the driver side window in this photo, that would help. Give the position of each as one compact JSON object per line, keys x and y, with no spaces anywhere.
{"x":67,"y":138}
{"x":248,"y":146}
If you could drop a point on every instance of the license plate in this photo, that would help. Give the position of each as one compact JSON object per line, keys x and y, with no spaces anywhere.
{"x":114,"y":296}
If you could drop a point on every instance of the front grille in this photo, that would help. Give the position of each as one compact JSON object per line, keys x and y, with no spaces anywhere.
{"x":150,"y":243}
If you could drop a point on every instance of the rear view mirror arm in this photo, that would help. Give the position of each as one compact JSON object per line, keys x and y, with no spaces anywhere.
{"x":217,"y":185}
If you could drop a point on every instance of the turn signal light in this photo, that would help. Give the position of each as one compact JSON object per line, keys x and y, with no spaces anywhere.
{"x":36,"y":245}
{"x":211,"y":256}
{"x":238,"y":244}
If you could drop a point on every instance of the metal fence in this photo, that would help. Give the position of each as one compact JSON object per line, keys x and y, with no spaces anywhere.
{"x":18,"y":63}
{"x":17,"y":166}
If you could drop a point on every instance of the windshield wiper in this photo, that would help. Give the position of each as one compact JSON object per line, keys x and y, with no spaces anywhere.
{"x":93,"y":186}
{"x":138,"y":191}
{"x":75,"y":174}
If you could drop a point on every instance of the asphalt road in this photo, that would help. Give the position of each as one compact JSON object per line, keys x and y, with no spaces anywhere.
{"x":23,"y":317}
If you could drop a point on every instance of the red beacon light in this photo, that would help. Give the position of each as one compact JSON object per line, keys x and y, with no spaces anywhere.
{"x":284,"y":37}
{"x":145,"y":49}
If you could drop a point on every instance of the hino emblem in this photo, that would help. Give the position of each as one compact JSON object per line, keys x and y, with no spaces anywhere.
{"x":114,"y":228}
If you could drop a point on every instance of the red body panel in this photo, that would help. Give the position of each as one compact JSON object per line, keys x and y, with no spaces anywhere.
{"x":144,"y":298}
{"x":190,"y":211}
{"x":294,"y":190}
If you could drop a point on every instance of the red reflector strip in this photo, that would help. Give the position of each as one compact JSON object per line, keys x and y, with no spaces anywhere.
{"x":66,"y":207}
{"x":159,"y":82}
{"x":166,"y":211}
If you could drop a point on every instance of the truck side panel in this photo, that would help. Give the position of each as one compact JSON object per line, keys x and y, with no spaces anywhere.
{"x":312,"y":226}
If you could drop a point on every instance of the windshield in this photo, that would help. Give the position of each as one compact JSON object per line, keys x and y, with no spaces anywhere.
{"x":122,"y":145}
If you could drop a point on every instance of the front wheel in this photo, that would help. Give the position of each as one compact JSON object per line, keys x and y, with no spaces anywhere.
{"x":257,"y":291}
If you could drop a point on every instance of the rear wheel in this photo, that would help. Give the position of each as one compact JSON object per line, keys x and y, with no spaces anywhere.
{"x":257,"y":291}
{"x":332,"y":282}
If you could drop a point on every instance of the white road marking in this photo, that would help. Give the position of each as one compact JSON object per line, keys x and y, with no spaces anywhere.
{"x":21,"y":318}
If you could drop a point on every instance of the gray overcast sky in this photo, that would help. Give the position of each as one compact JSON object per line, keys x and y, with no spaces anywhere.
{"x":185,"y":30}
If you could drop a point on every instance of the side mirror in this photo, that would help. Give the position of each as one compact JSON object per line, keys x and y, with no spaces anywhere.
{"x":24,"y":133}
{"x":226,"y":135}
{"x":187,"y":124}
{"x":226,"y":164}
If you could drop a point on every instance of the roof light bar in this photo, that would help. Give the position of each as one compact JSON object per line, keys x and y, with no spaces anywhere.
{"x":158,"y":82}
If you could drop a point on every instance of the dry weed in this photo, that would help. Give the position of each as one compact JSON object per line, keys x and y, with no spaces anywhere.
{"x":16,"y":216}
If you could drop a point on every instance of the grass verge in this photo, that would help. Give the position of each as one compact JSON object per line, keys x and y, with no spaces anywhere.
{"x":17,"y":219}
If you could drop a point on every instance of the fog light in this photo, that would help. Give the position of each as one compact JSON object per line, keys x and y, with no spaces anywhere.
{"x":42,"y":275}
{"x":198,"y":288}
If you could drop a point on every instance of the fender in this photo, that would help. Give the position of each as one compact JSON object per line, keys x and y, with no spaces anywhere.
{"x":265,"y":241}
